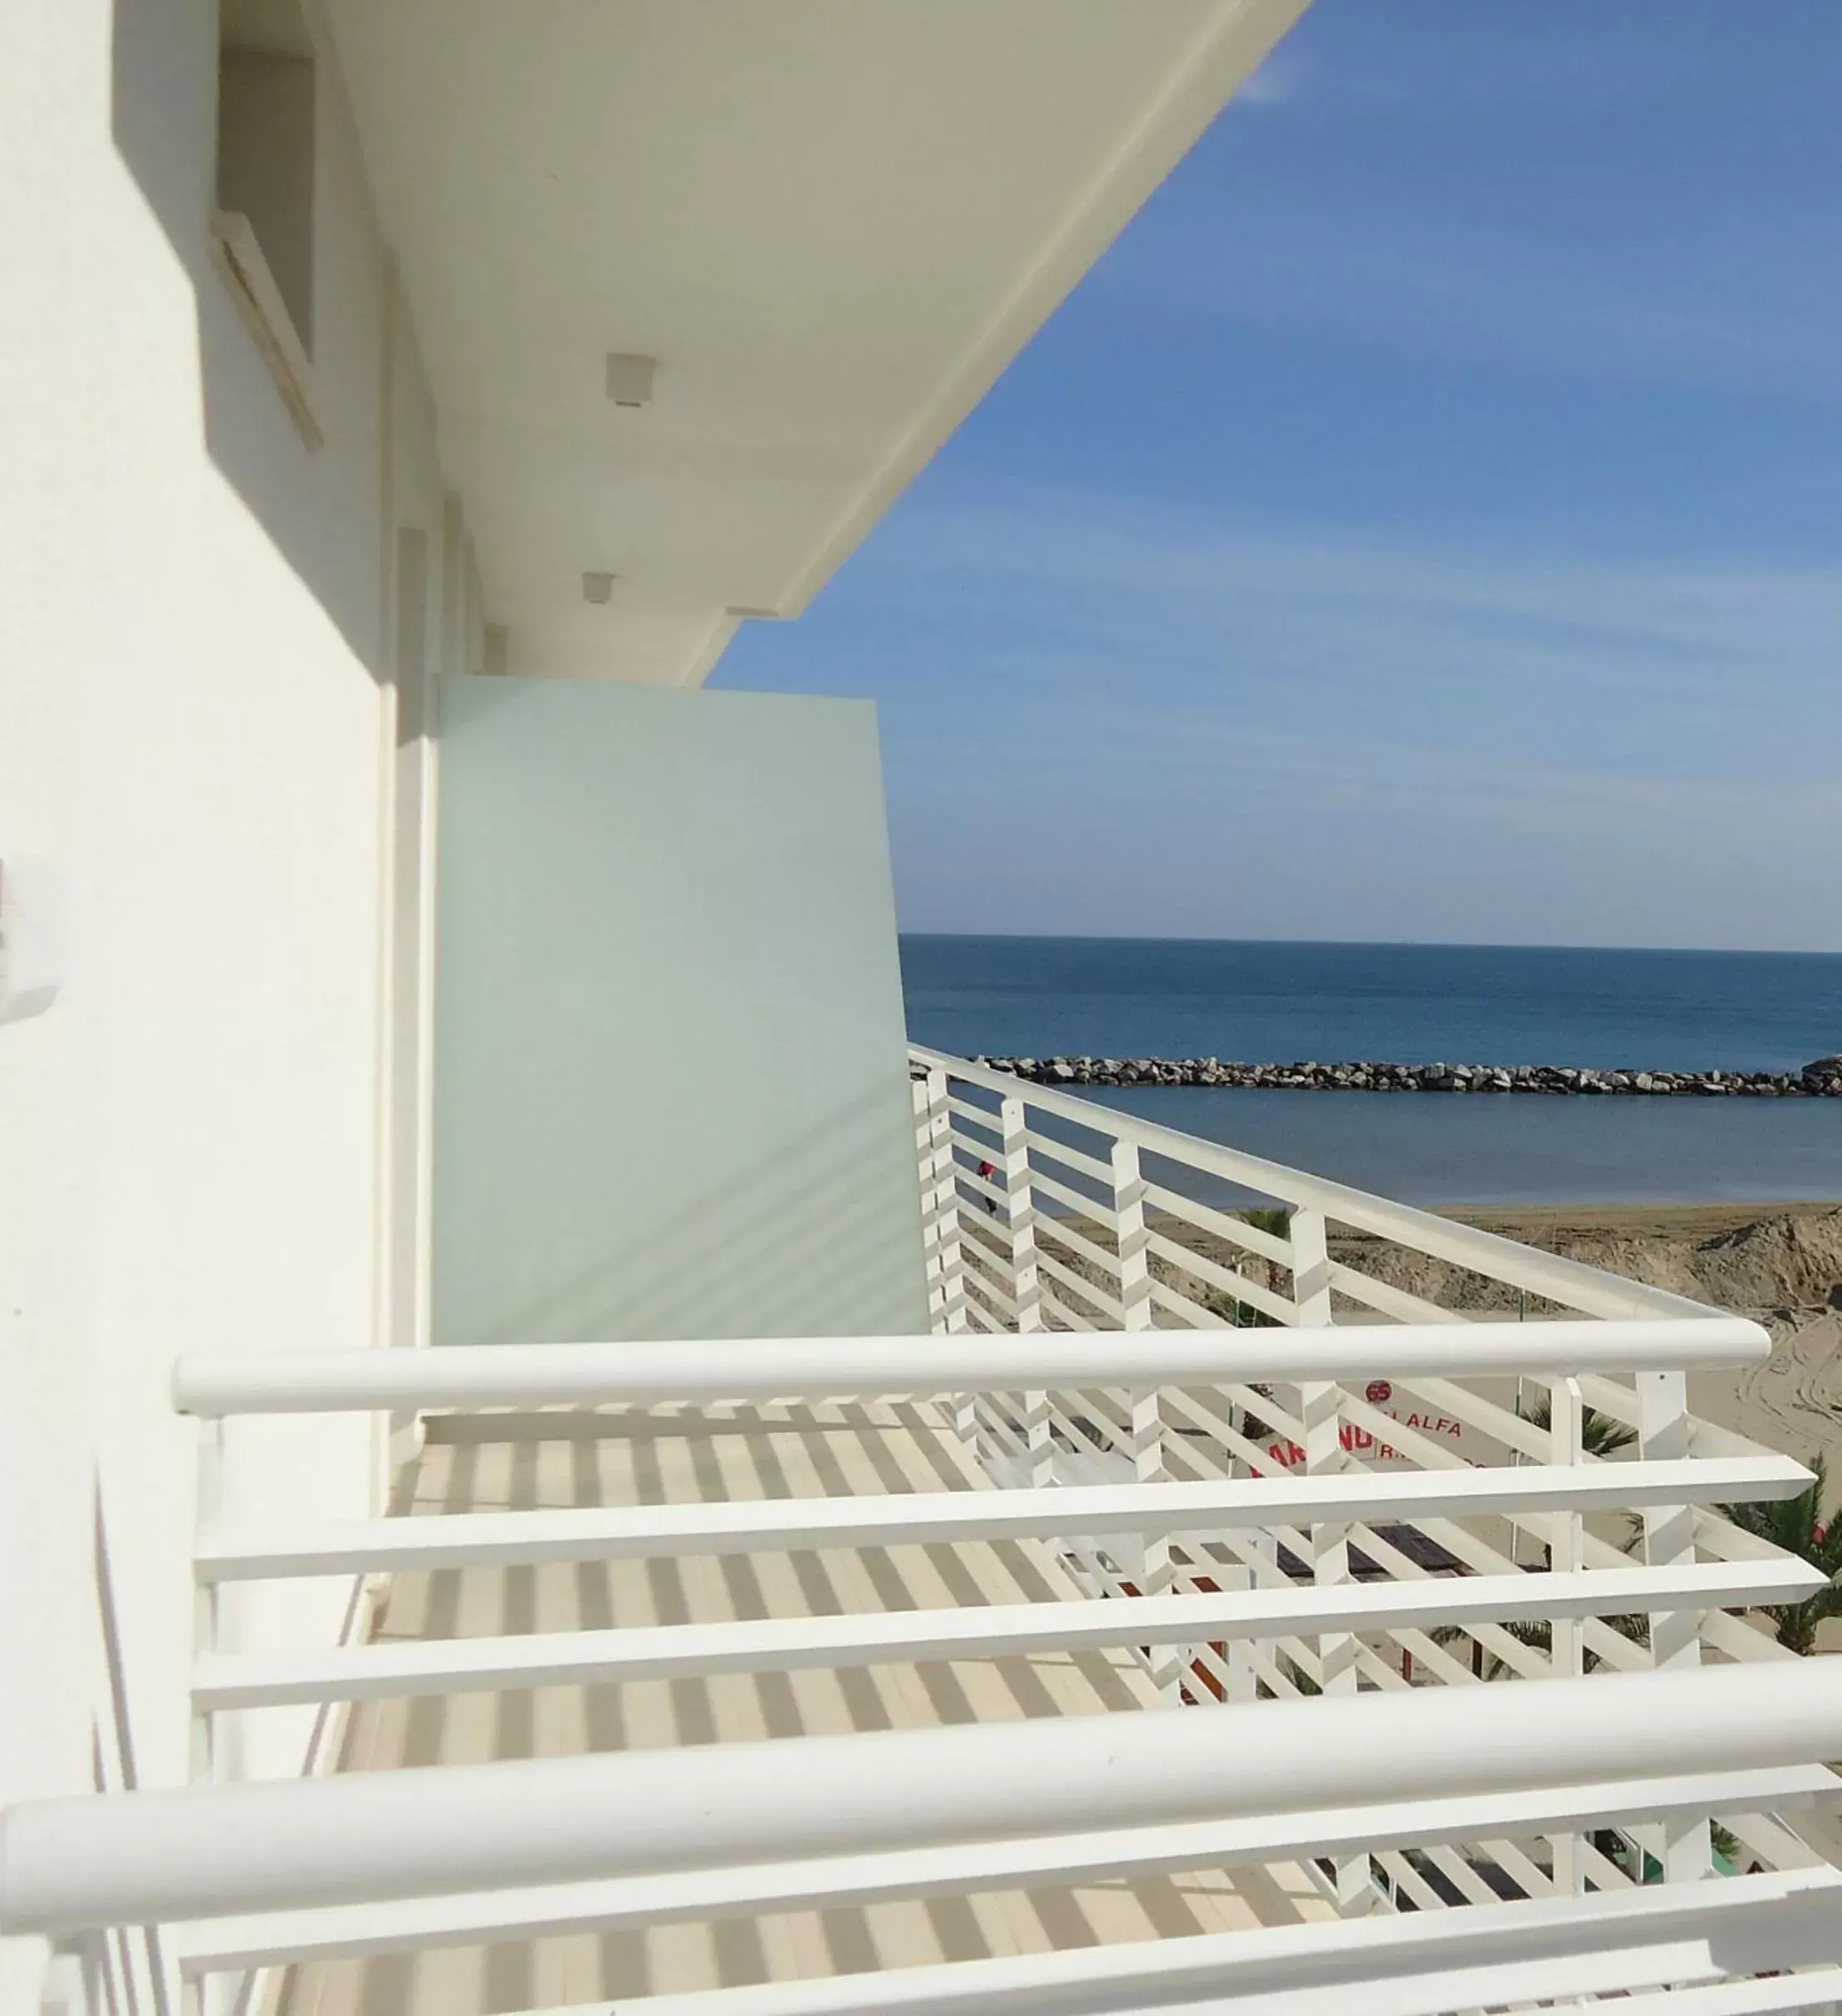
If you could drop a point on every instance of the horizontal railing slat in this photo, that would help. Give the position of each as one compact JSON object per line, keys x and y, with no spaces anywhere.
{"x":1185,"y":1965}
{"x":1225,"y":1226}
{"x":1096,"y":1168}
{"x":373,"y":1672}
{"x":499,"y":1539}
{"x":1388,"y":1301}
{"x":1267,"y":1300}
{"x":696,"y":1372}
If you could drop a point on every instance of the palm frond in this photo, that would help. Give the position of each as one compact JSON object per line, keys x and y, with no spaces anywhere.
{"x":1796,"y":1526}
{"x":1600,"y":1434}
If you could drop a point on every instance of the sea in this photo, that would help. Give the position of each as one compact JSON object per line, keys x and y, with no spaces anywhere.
{"x":1280,"y":1002}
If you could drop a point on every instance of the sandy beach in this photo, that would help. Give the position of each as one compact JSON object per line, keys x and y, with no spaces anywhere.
{"x":1780,"y":1264}
{"x":1768,"y":1261}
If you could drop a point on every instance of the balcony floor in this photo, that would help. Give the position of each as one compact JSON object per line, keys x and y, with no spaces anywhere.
{"x":484,"y":1463}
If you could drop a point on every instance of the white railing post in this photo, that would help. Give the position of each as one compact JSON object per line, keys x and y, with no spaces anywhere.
{"x":1020,"y":1218}
{"x":1320,"y":1407}
{"x":1567,"y":1556}
{"x":1310,"y":1268}
{"x":216,"y":1993}
{"x":1688,"y":1847}
{"x":207,"y":1512}
{"x":1129,"y":1205}
{"x":1168,"y":1662}
{"x":946,"y":1261}
{"x":1019,"y":1214}
{"x":940,"y":1207}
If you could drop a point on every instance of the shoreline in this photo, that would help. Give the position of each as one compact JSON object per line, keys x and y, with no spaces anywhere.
{"x":1665,"y":1218}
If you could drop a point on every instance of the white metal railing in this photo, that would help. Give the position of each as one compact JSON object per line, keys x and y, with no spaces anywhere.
{"x":186,"y":1855}
{"x":1290,"y":1488}
{"x":1412,"y":1783}
{"x":1081,"y":1190}
{"x":1045,"y":1212}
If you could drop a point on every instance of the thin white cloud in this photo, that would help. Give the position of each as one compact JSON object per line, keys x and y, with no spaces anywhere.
{"x":1165,"y":725}
{"x":1747,"y":310}
{"x":1704,"y":666}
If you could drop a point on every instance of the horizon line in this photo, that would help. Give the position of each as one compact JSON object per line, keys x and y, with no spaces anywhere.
{"x":1465,"y":944}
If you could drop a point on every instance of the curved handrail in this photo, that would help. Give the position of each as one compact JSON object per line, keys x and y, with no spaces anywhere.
{"x":1547,"y":1274}
{"x":702,"y":1370}
{"x":143,"y":1857}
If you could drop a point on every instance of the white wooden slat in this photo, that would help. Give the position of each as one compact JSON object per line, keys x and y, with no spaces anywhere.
{"x":1388,"y":1300}
{"x":1087,"y":1436}
{"x":1040,"y":1180}
{"x":1060,"y":1230}
{"x":982,"y":1274}
{"x":1002,"y":1430}
{"x":1077,"y":1159}
{"x":1740,"y":1640}
{"x":1406,"y":1879}
{"x":1728,"y":1542}
{"x":1705,"y":1439}
{"x":1268,"y":1407}
{"x":1623,"y":1972}
{"x":1435,"y":1658}
{"x":374,"y":1671}
{"x":543,"y":1911}
{"x":1820,"y":1988}
{"x":969,"y":1180}
{"x":1267,"y":1300}
{"x":1177,"y":1303}
{"x":1500,"y":1423}
{"x":1055,"y":1306}
{"x":1077,"y":1283}
{"x":502,"y":1538}
{"x":976,"y":1117}
{"x":1462,"y":1874}
{"x":1184,"y":1407}
{"x":1235,"y":1231}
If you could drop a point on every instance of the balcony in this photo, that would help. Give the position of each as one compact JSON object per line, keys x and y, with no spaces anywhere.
{"x":751,"y":1678}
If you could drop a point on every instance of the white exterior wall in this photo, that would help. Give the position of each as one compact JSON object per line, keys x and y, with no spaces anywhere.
{"x":195,"y":733}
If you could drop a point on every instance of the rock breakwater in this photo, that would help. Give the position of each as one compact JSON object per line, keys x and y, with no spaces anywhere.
{"x":1820,"y":1079}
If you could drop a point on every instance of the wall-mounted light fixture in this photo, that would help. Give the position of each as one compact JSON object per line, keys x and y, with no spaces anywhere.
{"x":630,"y":378}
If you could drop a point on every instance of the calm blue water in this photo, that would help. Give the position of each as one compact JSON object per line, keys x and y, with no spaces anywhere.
{"x":1419,"y":1004}
{"x":1405,"y":1004}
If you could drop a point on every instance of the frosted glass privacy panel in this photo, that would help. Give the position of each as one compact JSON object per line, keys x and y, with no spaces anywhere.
{"x":671,"y":1085}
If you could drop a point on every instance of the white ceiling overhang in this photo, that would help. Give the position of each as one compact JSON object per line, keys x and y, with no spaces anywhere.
{"x":833,"y":223}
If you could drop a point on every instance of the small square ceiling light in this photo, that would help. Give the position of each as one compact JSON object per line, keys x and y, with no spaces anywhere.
{"x":630,"y":378}
{"x":597,"y":587}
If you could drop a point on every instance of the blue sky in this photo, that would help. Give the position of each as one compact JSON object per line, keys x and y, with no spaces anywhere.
{"x":1425,"y":523}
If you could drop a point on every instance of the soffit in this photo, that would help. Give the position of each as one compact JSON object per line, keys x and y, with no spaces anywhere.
{"x":832,"y":221}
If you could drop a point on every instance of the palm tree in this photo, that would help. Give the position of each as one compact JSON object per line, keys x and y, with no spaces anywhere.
{"x":1795,"y":1526}
{"x":1243,"y":1314}
{"x":1600,"y":1434}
